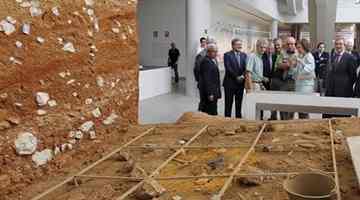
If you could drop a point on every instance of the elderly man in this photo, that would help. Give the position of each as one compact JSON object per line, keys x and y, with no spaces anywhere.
{"x":349,"y":47}
{"x":341,"y":75}
{"x":209,"y":81}
{"x":234,"y":80}
{"x":198,"y":59}
{"x":285,"y":67}
{"x":255,"y":68}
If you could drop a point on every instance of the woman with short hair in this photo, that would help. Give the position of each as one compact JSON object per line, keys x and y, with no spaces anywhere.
{"x":304,"y":71}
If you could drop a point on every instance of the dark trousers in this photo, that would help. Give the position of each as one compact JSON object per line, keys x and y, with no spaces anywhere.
{"x":210,"y":107}
{"x":328,"y":116}
{"x":203,"y":97}
{"x":289,"y":85}
{"x":320,"y":86}
{"x":174,"y":66}
{"x":230,"y":93}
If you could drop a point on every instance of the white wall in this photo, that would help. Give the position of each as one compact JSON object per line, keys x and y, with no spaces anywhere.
{"x":226,"y":17}
{"x":161,"y":15}
{"x":348,"y":12}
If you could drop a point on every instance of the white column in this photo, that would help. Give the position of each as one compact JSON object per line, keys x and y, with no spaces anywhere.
{"x":197,"y":23}
{"x":325,"y":16}
{"x":274,"y":29}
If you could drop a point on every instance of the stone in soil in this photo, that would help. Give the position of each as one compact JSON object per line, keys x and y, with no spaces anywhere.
{"x":41,"y":158}
{"x":26,"y":143}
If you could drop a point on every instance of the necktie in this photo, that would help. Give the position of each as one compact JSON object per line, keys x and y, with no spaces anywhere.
{"x":337,"y":58}
{"x":238,"y":58}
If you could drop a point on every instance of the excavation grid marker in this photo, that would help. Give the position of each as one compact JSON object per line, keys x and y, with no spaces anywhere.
{"x":156,"y":172}
{"x":251,"y":148}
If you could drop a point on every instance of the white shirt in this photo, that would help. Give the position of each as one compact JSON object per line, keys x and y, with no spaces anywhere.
{"x":199,"y":50}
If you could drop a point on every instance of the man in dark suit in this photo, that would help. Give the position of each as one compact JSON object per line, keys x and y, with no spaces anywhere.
{"x":357,"y":87}
{"x":321,"y":63}
{"x":234,"y":80}
{"x":173,"y":59}
{"x":209,"y":81}
{"x":276,"y":75}
{"x":341,"y":74}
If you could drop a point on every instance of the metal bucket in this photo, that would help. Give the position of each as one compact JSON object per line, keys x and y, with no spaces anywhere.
{"x":311,"y":186}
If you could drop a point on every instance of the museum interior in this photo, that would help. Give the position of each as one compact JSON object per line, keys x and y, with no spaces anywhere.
{"x":179,"y":99}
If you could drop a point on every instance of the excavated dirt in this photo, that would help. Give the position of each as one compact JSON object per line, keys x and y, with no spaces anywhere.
{"x":285,"y":147}
{"x":114,"y":63}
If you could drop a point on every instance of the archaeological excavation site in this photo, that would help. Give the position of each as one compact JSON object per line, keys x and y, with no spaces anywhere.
{"x":69,"y":127}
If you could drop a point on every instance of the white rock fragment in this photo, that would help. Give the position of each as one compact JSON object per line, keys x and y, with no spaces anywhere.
{"x":15,"y":61}
{"x":87,"y":126}
{"x":41,"y":112}
{"x":41,"y":158}
{"x":124,"y":37}
{"x":18,"y":44}
{"x":131,"y":31}
{"x":19,"y":1}
{"x":96,"y":113}
{"x":11,"y":20}
{"x":96,"y":25}
{"x":52,"y":103}
{"x":92,"y":135}
{"x":89,"y":3}
{"x":90,"y":12}
{"x":25,"y":4}
{"x":42,"y":82}
{"x":26,"y":28}
{"x":87,"y":85}
{"x":18,"y":104}
{"x":69,"y":47}
{"x":72,"y":134}
{"x":55,"y":11}
{"x":26,"y":143}
{"x":90,"y":33}
{"x":35,"y":11}
{"x":62,"y":74}
{"x":93,"y":48}
{"x":40,"y":40}
{"x":75,"y":94}
{"x":4,"y":95}
{"x":70,"y":82}
{"x":88,"y":101}
{"x":60,"y":40}
{"x":7,"y":27}
{"x":177,"y":197}
{"x":78,"y":135}
{"x":115,"y":30}
{"x":111,"y":119}
{"x":100,"y":81}
{"x":182,"y":142}
{"x":42,"y":98}
{"x":56,"y":150}
{"x":69,"y":21}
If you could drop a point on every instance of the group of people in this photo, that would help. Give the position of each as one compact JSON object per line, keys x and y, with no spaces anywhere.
{"x":292,"y":67}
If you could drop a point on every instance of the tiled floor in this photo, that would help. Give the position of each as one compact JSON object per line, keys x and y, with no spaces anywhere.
{"x":168,"y":108}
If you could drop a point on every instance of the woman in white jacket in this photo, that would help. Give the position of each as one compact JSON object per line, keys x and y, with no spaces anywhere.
{"x":305,"y":71}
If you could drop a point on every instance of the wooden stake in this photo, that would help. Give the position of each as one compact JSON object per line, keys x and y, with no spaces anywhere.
{"x":242,"y":161}
{"x":334,"y":161}
{"x":157,"y":171}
